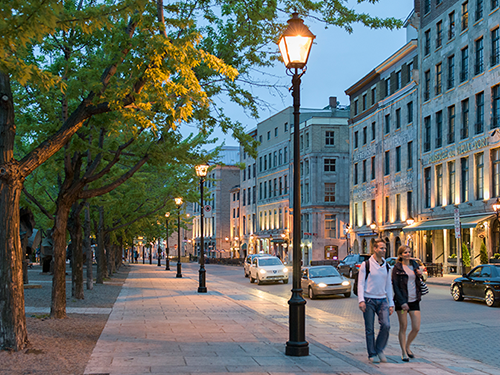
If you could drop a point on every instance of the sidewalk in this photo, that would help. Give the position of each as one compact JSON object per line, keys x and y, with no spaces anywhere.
{"x":160,"y":324}
{"x":445,"y":280}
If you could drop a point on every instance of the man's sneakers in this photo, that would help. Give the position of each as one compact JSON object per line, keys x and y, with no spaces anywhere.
{"x":374,"y":359}
{"x":382,"y":357}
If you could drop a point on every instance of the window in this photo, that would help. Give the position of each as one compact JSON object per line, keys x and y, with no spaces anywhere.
{"x":398,"y":207}
{"x":451,"y":182}
{"x":356,"y":139}
{"x":398,"y":80}
{"x":365,"y":135}
{"x":451,"y":72}
{"x":427,"y":6}
{"x":451,"y":27}
{"x":244,"y":197}
{"x":355,"y":173}
{"x":495,"y":160}
{"x":374,"y":95}
{"x":464,"y":131}
{"x":398,"y":118}
{"x":465,"y":15}
{"x":427,"y":187}
{"x":301,"y":142}
{"x":439,"y":185}
{"x":495,"y":107}
{"x":275,"y":158}
{"x":260,"y":191}
{"x":373,"y":168}
{"x":275,"y":132}
{"x":427,"y":85}
{"x":270,"y":188}
{"x":260,"y":138}
{"x":329,"y":165}
{"x":265,"y":162}
{"x":439,"y":129}
{"x":387,"y":123}
{"x":409,"y":203}
{"x":464,"y":179}
{"x":364,"y":102}
{"x":494,"y":4}
{"x":439,"y":70}
{"x":286,"y":184}
{"x":439,"y":34}
{"x":495,"y":48}
{"x":275,"y":187}
{"x":306,"y":188}
{"x":363,"y":212}
{"x":479,"y":9}
{"x":427,"y":134}
{"x":269,"y":135}
{"x":410,"y":154}
{"x":330,"y":226}
{"x":285,"y":127}
{"x":307,"y":140}
{"x":479,"y":175}
{"x":479,"y":113}
{"x":398,"y":159}
{"x":373,"y":130}
{"x":387,"y":169}
{"x":479,"y":66}
{"x":451,"y":124}
{"x":464,"y":71}
{"x":356,"y":107}
{"x":427,"y":42}
{"x":409,"y":108}
{"x":356,"y":214}
{"x":387,"y":87}
{"x":330,"y":138}
{"x":364,"y":171}
{"x":329,"y":192}
{"x":280,"y":156}
{"x":387,"y":209}
{"x":285,"y":154}
{"x":280,"y":186}
{"x":373,"y":215}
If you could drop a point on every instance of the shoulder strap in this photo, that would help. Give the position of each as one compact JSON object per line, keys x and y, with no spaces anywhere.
{"x":388,"y":267}
{"x":367,"y":268}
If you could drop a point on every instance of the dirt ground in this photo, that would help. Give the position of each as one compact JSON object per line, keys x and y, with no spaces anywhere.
{"x":61,"y":346}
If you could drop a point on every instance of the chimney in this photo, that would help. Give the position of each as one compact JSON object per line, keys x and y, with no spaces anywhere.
{"x":333,"y":102}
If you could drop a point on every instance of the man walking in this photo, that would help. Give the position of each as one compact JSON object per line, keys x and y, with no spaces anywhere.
{"x":375,"y":297}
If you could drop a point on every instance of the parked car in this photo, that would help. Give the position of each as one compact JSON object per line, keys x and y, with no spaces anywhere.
{"x":324,"y":281}
{"x":392,"y":261}
{"x":248,"y":262}
{"x":481,"y":283}
{"x":268,"y":269}
{"x":351,"y":263}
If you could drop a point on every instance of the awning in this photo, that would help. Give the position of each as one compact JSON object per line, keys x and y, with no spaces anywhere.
{"x":367,"y":234}
{"x":277,"y":240}
{"x":466,"y":221}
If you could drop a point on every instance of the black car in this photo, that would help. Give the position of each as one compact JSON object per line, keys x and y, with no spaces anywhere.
{"x":482,"y":283}
{"x":349,"y":266}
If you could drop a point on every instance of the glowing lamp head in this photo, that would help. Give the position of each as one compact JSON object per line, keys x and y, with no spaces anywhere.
{"x":373,"y":226}
{"x":295,"y":43}
{"x":178,"y":201}
{"x":201,"y":170}
{"x":496,"y":206}
{"x":167,"y":214}
{"x":410,"y":220}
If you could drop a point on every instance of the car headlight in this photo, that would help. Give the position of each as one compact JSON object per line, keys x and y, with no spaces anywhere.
{"x":285,"y":270}
{"x":345,"y":283}
{"x":262,"y":271}
{"x":322,"y":285}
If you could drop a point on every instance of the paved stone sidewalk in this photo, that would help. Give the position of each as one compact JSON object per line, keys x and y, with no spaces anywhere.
{"x":160,"y":324}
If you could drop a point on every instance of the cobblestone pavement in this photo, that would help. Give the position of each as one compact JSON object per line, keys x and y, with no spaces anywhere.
{"x":467,"y":328}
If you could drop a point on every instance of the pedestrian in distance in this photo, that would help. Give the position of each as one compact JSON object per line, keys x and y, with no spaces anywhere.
{"x":407,"y":294}
{"x":136,"y":255}
{"x":375,"y":298}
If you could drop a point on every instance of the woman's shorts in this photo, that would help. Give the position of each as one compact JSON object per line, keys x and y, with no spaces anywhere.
{"x":414,"y":306}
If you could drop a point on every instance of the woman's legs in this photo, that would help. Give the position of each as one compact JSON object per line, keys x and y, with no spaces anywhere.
{"x":415,"y":327}
{"x":403,"y":323}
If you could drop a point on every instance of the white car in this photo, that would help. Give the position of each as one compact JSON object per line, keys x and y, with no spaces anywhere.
{"x":248,"y":262}
{"x":268,"y":269}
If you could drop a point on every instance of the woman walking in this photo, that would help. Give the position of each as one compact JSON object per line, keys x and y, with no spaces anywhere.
{"x":407,"y":294}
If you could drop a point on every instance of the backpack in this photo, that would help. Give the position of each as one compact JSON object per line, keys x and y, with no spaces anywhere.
{"x":367,"y":271}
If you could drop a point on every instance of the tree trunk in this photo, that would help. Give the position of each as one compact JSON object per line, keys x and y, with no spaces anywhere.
{"x":75,"y":231}
{"x":13,"y":332}
{"x":101,"y":261}
{"x":87,"y":247}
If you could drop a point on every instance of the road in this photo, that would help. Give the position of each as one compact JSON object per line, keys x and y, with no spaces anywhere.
{"x":467,"y":328}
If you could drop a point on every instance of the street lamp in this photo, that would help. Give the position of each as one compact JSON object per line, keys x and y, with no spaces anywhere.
{"x":295,"y":44}
{"x":178,"y":202}
{"x":496,"y":207}
{"x":167,"y":251}
{"x":201,"y":172}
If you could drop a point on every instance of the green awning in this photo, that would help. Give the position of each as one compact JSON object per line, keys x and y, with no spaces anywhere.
{"x":470,"y":221}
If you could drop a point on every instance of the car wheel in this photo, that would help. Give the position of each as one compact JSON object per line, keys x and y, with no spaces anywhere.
{"x":347,"y":295}
{"x":350,"y":273}
{"x":285,"y":281}
{"x":259,"y":281}
{"x":246,"y":274}
{"x":311,"y":293}
{"x":489,"y":298}
{"x":252,"y":280}
{"x":456,"y":293}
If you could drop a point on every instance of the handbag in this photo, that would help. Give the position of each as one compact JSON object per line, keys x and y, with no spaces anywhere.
{"x":423,"y":287}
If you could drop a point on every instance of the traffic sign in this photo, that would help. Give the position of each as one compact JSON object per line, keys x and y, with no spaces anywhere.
{"x":208,"y":211}
{"x":457,"y":223}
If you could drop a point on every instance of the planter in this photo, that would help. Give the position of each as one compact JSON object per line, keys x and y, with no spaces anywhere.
{"x":494,"y":260}
{"x":452,"y":260}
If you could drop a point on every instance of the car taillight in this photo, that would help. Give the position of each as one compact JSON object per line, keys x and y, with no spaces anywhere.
{"x":358,"y":265}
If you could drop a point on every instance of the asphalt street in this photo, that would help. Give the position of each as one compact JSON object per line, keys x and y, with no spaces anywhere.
{"x":467,"y":328}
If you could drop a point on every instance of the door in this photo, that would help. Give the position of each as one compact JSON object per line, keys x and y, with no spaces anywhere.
{"x":469,"y":285}
{"x":428,"y":247}
{"x":485,"y":277}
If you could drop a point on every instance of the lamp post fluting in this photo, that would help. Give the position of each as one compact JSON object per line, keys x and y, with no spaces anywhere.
{"x":178,"y":202}
{"x":167,"y":250}
{"x":201,"y":172}
{"x":295,"y":45}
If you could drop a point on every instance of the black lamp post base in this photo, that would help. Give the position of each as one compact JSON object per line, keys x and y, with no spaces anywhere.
{"x":167,"y":264}
{"x":159,"y":262}
{"x":297,"y":345}
{"x":297,"y":349}
{"x":202,"y":289}
{"x":179,"y":273}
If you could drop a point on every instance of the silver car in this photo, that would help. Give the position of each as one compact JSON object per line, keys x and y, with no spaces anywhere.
{"x":324,"y":281}
{"x":268,"y":269}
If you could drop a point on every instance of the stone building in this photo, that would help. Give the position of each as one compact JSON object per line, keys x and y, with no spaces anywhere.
{"x":383,"y":146}
{"x":458,"y":140}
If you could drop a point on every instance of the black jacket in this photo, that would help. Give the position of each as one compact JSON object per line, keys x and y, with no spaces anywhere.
{"x":400,"y":283}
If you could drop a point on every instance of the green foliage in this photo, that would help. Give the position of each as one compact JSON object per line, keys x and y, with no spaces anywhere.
{"x":483,"y":258}
{"x":496,"y":256}
{"x":453,"y":256}
{"x":465,"y":255}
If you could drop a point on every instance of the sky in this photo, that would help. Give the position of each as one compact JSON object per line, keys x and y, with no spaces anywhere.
{"x":337,"y":61}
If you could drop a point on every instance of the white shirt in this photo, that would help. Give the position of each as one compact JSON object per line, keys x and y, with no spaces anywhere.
{"x":378,"y":284}
{"x":412,"y":288}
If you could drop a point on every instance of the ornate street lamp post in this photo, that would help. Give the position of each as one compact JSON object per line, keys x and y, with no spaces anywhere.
{"x":167,"y":250}
{"x":201,"y":172}
{"x":496,"y":208}
{"x":178,"y":202}
{"x":295,"y":44}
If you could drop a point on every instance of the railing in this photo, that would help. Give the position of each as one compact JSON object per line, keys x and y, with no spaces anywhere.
{"x":434,"y":269}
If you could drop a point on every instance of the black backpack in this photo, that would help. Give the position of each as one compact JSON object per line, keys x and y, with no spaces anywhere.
{"x":367,"y":271}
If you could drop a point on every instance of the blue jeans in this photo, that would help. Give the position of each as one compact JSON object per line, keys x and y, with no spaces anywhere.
{"x":381,"y":308}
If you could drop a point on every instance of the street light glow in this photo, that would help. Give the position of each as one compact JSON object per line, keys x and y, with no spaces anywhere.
{"x":295,"y":43}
